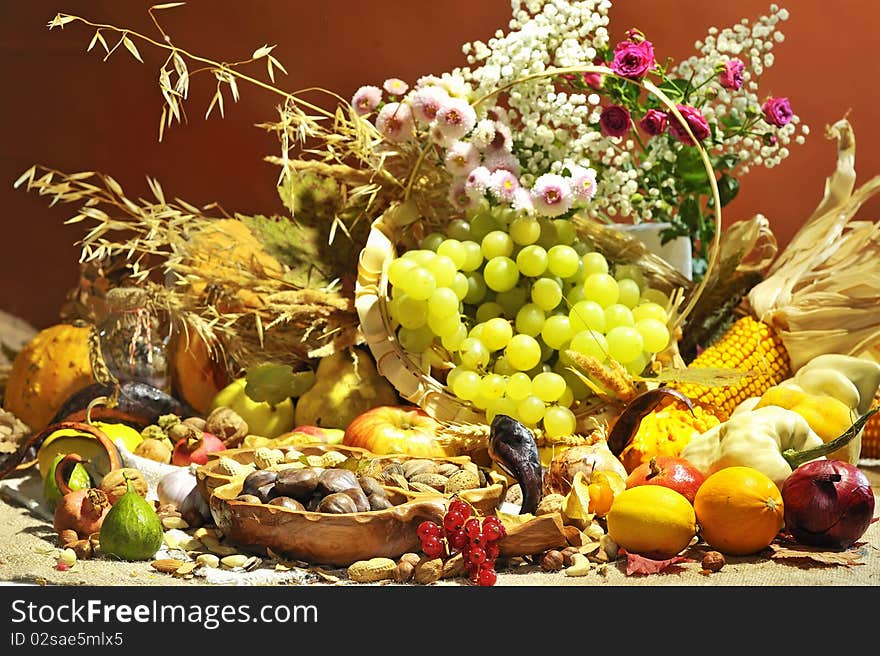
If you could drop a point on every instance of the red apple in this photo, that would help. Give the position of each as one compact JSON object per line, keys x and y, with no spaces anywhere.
{"x":319,"y":433}
{"x":675,"y":473}
{"x":390,"y":429}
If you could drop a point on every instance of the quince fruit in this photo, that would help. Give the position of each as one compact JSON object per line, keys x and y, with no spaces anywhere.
{"x":347,"y":384}
{"x":263,"y":418}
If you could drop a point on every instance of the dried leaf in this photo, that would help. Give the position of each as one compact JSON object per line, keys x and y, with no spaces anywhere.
{"x":512,"y":521}
{"x":708,"y":376}
{"x":638,"y":564}
{"x":129,"y":44}
{"x":816,"y":555}
{"x":576,"y":505}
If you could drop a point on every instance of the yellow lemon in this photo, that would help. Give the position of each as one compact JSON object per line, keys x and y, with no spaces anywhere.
{"x":652,"y":520}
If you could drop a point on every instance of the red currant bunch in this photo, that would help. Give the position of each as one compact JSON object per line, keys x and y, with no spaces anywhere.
{"x":476,"y":540}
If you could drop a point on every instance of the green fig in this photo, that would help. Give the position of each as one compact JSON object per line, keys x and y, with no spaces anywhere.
{"x":131,"y":530}
{"x":79,"y":480}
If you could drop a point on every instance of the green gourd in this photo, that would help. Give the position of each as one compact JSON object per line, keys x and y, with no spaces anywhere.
{"x":131,"y":530}
{"x":79,"y":480}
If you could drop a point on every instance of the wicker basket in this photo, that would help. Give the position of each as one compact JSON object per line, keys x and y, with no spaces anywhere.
{"x":411,"y":374}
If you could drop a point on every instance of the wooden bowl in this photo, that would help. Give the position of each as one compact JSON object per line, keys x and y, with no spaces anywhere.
{"x":324,"y":538}
{"x":485,"y":500}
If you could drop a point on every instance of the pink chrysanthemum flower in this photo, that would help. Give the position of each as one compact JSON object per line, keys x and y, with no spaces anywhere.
{"x":477,"y":181}
{"x":522,"y":201}
{"x":366,"y":99}
{"x":439,"y":137}
{"x":552,"y":195}
{"x":395,"y":86}
{"x":426,"y":102}
{"x":503,"y":185}
{"x":583,"y":183}
{"x":395,"y":122}
{"x":502,"y":159}
{"x":460,"y":198}
{"x":461,"y":157}
{"x":456,"y":118}
{"x":483,"y":134}
{"x":503,"y":137}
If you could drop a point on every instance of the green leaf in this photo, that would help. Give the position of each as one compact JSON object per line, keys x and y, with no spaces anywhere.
{"x":728,"y":188}
{"x":272,"y":383}
{"x":689,"y":168}
{"x":674,"y":88}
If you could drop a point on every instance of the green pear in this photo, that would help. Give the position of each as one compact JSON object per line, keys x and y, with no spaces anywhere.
{"x":262,"y":417}
{"x":346,"y":385}
{"x":79,"y":480}
{"x":132,"y":529}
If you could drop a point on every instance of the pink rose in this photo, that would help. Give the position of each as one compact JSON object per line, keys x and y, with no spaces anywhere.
{"x":654,"y":122}
{"x":777,"y":111}
{"x":632,"y":59}
{"x":696,"y":122}
{"x":614,"y":121}
{"x":732,"y":75}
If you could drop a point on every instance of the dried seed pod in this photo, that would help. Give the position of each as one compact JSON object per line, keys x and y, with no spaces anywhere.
{"x":372,"y":570}
{"x":428,"y":571}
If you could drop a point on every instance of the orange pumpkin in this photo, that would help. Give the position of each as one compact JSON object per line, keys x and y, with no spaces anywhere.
{"x":739,"y":510}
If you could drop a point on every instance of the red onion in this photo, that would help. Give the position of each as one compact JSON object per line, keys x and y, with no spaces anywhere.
{"x":828,"y":503}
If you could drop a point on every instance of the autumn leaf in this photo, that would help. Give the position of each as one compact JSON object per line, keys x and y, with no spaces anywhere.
{"x":817,"y":556}
{"x":575,"y":507}
{"x":637,"y":564}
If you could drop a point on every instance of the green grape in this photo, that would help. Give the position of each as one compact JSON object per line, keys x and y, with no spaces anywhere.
{"x":473,"y":256}
{"x":546,"y":352}
{"x":618,"y":314}
{"x":496,"y":333}
{"x":655,"y":334}
{"x":444,"y":270}
{"x":410,"y":312}
{"x":565,"y":232}
{"x":454,"y":373}
{"x":556,"y":331}
{"x":501,"y":407}
{"x":398,"y":269}
{"x":496,"y":244}
{"x":490,"y":310}
{"x":476,"y":332}
{"x":397,"y":292}
{"x":453,"y":342}
{"x":420,"y":256}
{"x":476,"y":288}
{"x":466,"y":385}
{"x":581,"y":247}
{"x":460,"y":285}
{"x":628,"y":292}
{"x":624,"y":343}
{"x":481,"y":402}
{"x":594,"y":262}
{"x":577,"y":386}
{"x":548,"y":386}
{"x":444,"y":325}
{"x":587,"y":314}
{"x":452,"y":249}
{"x":650,"y":311}
{"x":419,"y":283}
{"x":473,"y":353}
{"x":567,"y":397}
{"x":501,"y":274}
{"x":602,"y":288}
{"x":502,"y":366}
{"x":562,"y":260}
{"x":512,"y":300}
{"x":575,"y":294}
{"x":590,"y":342}
{"x":559,"y":421}
{"x":523,"y":352}
{"x":530,"y":320}
{"x":631,"y":271}
{"x":431,"y":241}
{"x":519,"y":386}
{"x":546,"y":294}
{"x":458,"y":229}
{"x":548,"y":238}
{"x":443,"y":302}
{"x":578,"y":276}
{"x":525,"y":230}
{"x":531,"y":410}
{"x":492,"y":386}
{"x":650,"y":295}
{"x":415,"y":340}
{"x":639,"y":364}
{"x":532,"y":260}
{"x":481,"y":225}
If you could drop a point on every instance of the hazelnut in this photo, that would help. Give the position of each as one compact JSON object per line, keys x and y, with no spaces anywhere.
{"x":82,"y":548}
{"x":404,"y":571}
{"x":552,"y":561}
{"x":713,"y":561}
{"x":67,"y":536}
{"x":567,"y":553}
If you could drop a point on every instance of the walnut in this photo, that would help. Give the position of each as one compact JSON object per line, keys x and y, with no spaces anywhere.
{"x":226,"y":424}
{"x":713,"y":561}
{"x":552,"y":561}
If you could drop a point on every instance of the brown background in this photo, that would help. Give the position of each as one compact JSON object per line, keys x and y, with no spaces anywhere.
{"x":64,"y":108}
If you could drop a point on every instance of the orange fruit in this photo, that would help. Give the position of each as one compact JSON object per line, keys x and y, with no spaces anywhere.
{"x":739,"y":510}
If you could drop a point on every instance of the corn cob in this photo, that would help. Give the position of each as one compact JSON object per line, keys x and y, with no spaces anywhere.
{"x":750,"y":346}
{"x":871,"y":436}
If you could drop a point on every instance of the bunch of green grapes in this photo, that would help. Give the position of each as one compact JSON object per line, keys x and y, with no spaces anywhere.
{"x":505,"y":295}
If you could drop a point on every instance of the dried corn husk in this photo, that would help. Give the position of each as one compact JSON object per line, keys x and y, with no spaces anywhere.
{"x":822,"y":294}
